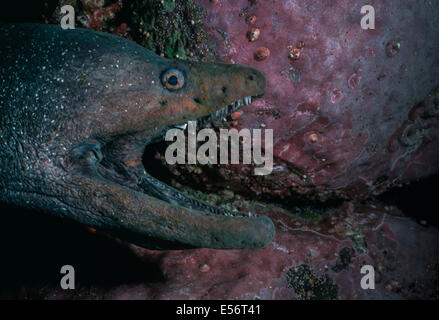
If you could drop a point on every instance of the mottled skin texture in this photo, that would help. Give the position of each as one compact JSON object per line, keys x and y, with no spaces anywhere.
{"x":78,"y":108}
{"x":351,"y":116}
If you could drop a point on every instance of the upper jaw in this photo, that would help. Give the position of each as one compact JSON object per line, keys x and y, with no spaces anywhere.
{"x":221,"y":113}
{"x":225,"y":111}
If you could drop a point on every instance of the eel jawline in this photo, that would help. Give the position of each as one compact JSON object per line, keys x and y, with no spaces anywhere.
{"x":158,"y":216}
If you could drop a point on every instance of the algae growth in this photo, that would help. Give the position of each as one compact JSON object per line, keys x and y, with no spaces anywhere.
{"x":309,"y":286}
{"x":171,"y":28}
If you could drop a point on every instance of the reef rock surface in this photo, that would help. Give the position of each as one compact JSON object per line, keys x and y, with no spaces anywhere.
{"x":354,"y":111}
{"x":311,"y":257}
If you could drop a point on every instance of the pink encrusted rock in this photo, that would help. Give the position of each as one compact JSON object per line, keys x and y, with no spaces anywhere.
{"x":317,"y":258}
{"x":358,"y":90}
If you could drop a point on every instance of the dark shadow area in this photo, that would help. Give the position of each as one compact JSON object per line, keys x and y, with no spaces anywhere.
{"x":35,"y":246}
{"x":217,"y":183}
{"x":27,"y":11}
{"x":418,"y":200}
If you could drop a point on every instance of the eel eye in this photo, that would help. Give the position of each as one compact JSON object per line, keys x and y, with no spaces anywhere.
{"x":173,"y":79}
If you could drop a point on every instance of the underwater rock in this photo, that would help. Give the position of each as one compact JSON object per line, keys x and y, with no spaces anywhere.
{"x":352,"y":110}
{"x":313,"y":256}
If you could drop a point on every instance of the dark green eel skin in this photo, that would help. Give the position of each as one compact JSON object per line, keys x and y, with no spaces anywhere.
{"x":77,"y":109}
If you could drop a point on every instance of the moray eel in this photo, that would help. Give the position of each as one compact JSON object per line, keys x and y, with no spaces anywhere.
{"x":77,"y":109}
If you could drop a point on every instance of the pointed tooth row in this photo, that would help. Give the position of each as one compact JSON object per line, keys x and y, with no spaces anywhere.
{"x":241,"y":102}
{"x":224,"y":112}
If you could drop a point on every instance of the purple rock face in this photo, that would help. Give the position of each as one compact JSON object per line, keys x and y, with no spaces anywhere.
{"x":307,"y":260}
{"x":353,"y":111}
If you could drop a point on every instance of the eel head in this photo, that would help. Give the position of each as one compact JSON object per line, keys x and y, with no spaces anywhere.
{"x":119,"y":98}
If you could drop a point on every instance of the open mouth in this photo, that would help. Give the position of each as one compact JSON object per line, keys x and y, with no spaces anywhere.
{"x":221,"y":114}
{"x":137,"y":177}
